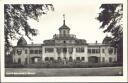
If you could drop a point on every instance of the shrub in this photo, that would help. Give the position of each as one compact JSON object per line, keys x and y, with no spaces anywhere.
{"x":14,"y":65}
{"x":61,"y":65}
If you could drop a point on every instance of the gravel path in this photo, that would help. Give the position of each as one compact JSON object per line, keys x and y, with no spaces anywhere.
{"x":103,"y":71}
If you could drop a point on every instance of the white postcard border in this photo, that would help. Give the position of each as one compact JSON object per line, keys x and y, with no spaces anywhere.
{"x":64,"y":79}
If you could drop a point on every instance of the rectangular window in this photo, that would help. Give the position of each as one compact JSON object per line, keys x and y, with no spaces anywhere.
{"x":64,"y":50}
{"x":70,"y":50}
{"x":89,"y":51}
{"x":19,"y":61}
{"x":36,"y":51}
{"x":114,"y":50}
{"x":97,"y":50}
{"x":40,"y":51}
{"x":82,"y":49}
{"x":46,"y":58}
{"x":51,"y":58}
{"x":48,"y":50}
{"x":31,"y":52}
{"x":79,"y":49}
{"x":59,"y":58}
{"x":103,"y":51}
{"x":78,"y":58}
{"x":58,"y":50}
{"x":83,"y":58}
{"x":103,"y":59}
{"x":110,"y":51}
{"x":93,"y":50}
{"x":26,"y":60}
{"x":26,"y":51}
{"x":110,"y":59}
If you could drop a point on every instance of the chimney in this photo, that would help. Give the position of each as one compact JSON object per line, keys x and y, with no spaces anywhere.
{"x":96,"y":41}
{"x":32,"y":43}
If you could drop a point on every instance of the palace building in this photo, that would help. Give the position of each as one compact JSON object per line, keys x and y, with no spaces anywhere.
{"x":63,"y":47}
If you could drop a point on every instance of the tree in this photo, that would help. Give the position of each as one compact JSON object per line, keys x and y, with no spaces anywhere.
{"x":16,"y":20}
{"x":111,"y":19}
{"x":107,"y":40}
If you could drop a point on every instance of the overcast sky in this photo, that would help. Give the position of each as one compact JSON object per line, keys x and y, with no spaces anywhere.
{"x":80,"y":18}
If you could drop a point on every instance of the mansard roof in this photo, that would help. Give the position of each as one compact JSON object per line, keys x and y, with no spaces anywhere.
{"x":76,"y":42}
{"x":97,"y":44}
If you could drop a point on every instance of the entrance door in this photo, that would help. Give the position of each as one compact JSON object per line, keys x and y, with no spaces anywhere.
{"x":19,"y":61}
{"x":70,"y":58}
{"x":26,"y":60}
{"x":93,"y":59}
{"x":35,"y":59}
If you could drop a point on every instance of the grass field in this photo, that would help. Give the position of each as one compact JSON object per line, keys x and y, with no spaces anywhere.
{"x":102,"y":71}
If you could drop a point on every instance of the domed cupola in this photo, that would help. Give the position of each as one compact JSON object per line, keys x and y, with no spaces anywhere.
{"x":21,"y":42}
{"x":64,"y":29}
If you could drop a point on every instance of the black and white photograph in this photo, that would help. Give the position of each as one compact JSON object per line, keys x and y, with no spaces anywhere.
{"x":64,"y":39}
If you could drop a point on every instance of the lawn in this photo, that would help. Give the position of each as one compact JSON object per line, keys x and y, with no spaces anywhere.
{"x":102,"y":71}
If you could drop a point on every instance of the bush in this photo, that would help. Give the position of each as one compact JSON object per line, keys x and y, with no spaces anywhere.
{"x":14,"y":65}
{"x":61,"y":65}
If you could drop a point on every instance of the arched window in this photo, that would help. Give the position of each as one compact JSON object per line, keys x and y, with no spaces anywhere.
{"x":70,"y":58}
{"x":64,"y":50}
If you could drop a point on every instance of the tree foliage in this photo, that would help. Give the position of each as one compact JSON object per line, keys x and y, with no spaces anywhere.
{"x":111,"y":19}
{"x":16,"y":19}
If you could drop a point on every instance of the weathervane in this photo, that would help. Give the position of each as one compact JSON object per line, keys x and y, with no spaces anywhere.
{"x":64,"y":18}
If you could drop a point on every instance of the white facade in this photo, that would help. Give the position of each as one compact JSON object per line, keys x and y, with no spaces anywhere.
{"x":63,"y":47}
